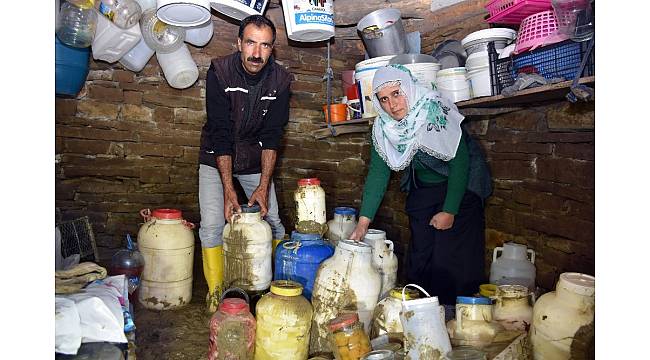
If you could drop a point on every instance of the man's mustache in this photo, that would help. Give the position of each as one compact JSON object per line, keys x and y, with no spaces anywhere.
{"x":255,"y":59}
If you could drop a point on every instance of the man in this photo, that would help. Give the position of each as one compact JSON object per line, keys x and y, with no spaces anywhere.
{"x":247,"y":103}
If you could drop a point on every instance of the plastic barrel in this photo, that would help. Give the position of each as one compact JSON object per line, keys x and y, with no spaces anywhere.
{"x":71,"y":68}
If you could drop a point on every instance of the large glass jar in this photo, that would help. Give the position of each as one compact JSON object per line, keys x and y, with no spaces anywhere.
{"x":161,"y":37}
{"x":347,"y":338}
{"x":123,"y":13}
{"x":76,"y":26}
{"x":232,"y":330}
{"x":310,"y":207}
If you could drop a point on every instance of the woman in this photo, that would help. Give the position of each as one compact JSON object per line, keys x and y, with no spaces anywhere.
{"x":445,"y":176}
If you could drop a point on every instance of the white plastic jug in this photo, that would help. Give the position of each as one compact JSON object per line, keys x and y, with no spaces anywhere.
{"x":343,"y":224}
{"x":179,"y":68}
{"x":386,"y":263}
{"x":199,"y":35}
{"x":138,"y":57}
{"x":513,"y":267}
{"x":423,"y":321}
{"x":111,"y":43}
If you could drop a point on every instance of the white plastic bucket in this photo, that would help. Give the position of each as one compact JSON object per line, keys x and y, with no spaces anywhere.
{"x":179,"y":68}
{"x":111,"y":42}
{"x":424,"y":325}
{"x":363,"y":74}
{"x":480,"y":80}
{"x":199,"y":35}
{"x":453,"y":84}
{"x":239,"y":9}
{"x":137,"y":58}
{"x":307,"y":22}
{"x":424,"y":73}
{"x":477,"y":60}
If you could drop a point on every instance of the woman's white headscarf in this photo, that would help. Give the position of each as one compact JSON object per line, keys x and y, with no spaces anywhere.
{"x":432,"y":123}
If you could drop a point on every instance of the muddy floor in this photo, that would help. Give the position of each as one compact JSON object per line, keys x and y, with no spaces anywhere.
{"x":175,"y":334}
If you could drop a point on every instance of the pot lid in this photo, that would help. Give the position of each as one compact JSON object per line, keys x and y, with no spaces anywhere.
{"x":184,"y":13}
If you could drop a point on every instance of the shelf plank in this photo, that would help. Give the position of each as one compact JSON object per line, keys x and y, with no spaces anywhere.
{"x":340,"y":130}
{"x":527,"y":96}
{"x":349,"y":122}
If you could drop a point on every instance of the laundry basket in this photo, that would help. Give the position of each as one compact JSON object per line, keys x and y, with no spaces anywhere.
{"x":513,"y":11}
{"x":537,"y":30}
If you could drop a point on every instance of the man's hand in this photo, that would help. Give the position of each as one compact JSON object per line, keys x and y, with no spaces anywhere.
{"x":361,"y":229}
{"x":260,"y":195}
{"x":442,"y":220}
{"x":230,"y":204}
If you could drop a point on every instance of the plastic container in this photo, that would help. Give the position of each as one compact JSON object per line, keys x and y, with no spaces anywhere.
{"x":424,"y":326}
{"x":310,"y":207}
{"x":179,"y":67}
{"x":513,"y":11}
{"x":385,"y":262}
{"x":123,"y":13}
{"x":480,"y":81}
{"x":166,"y":242}
{"x":575,"y":18}
{"x":199,"y":35}
{"x":466,"y":353}
{"x":342,"y":225}
{"x":184,"y":13}
{"x":539,"y":29}
{"x":146,"y":4}
{"x":283,"y":321}
{"x":338,"y":112}
{"x":424,"y":73}
{"x":309,"y":21}
{"x":232,"y":329}
{"x":247,"y":251}
{"x":299,"y":258}
{"x":71,"y":68}
{"x":347,"y":338}
{"x":128,"y":262}
{"x":84,"y":4}
{"x":76,"y":26}
{"x":379,"y":355}
{"x":512,"y":309}
{"x":478,"y":40}
{"x":239,"y":9}
{"x":363,"y":74}
{"x":560,"y":315}
{"x":382,"y":32}
{"x":136,"y":59}
{"x":453,"y":84}
{"x":162,"y":38}
{"x":513,"y":264}
{"x":347,"y":280}
{"x":374,"y":235}
{"x":111,"y":43}
{"x":385,"y":318}
{"x":473,"y":324}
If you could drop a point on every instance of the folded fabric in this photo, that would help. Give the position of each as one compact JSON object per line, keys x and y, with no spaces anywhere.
{"x":74,"y":279}
{"x":525,"y":81}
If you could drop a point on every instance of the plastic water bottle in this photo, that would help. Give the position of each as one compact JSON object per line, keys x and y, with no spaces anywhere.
{"x":76,"y":25}
{"x":129,"y":262}
{"x":84,"y":4}
{"x":123,"y":13}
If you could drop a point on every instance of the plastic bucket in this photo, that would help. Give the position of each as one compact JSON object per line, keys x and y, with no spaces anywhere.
{"x":452,"y":84}
{"x":239,"y":9}
{"x":199,"y":35}
{"x":338,"y":112}
{"x":383,"y":33}
{"x":480,"y":80}
{"x":183,"y":13}
{"x":477,"y":60}
{"x":71,"y":68}
{"x":424,"y":73}
{"x":363,"y":74}
{"x":179,"y":68}
{"x":111,"y":43}
{"x":137,"y":58}
{"x":309,"y":22}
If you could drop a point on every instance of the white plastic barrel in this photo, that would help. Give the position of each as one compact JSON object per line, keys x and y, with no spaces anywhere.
{"x":453,"y":84}
{"x":137,"y":58}
{"x":111,"y":42}
{"x":308,"y":20}
{"x":179,"y":68}
{"x":363,"y":74}
{"x":424,"y":73}
{"x":199,"y":35}
{"x":239,"y":9}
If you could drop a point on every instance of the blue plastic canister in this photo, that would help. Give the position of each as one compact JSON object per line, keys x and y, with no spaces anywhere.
{"x":71,"y":68}
{"x":298,"y":259}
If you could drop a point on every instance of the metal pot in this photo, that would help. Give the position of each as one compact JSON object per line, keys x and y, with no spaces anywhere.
{"x":382,"y":32}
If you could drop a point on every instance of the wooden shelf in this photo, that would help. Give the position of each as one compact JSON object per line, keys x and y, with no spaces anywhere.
{"x":490,"y":105}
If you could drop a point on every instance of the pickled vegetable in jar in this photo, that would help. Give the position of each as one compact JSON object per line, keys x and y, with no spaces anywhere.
{"x":348,"y":340}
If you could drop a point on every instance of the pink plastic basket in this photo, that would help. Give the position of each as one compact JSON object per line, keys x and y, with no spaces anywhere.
{"x":538,"y":30}
{"x":513,"y":11}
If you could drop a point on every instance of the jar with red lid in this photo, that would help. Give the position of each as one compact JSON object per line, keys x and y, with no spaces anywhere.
{"x":310,"y":207}
{"x":232,"y":329}
{"x":347,"y":338}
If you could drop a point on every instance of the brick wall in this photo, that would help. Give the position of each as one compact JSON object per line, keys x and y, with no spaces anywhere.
{"x":129,"y":141}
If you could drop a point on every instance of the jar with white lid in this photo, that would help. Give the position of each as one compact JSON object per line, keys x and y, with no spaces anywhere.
{"x":310,"y":207}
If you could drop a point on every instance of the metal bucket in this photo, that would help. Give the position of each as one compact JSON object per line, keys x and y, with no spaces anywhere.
{"x":383,"y":33}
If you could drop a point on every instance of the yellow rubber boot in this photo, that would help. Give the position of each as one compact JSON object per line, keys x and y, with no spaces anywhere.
{"x":213,"y":271}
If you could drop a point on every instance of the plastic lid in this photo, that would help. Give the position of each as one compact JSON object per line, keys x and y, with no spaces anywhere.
{"x":250,"y":209}
{"x":167,"y":214}
{"x":183,"y":13}
{"x":408,"y":294}
{"x":578,"y":283}
{"x":487,"y":34}
{"x":233,"y":306}
{"x":343,"y":321}
{"x":375,"y":234}
{"x":473,"y":300}
{"x":308,"y":181}
{"x":286,"y":288}
{"x":352,"y":245}
{"x":344,"y":210}
{"x":298,"y":236}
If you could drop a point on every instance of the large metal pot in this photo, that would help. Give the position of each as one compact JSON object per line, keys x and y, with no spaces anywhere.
{"x":383,"y":33}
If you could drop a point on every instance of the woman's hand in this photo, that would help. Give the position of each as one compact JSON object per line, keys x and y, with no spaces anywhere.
{"x":442,"y":220}
{"x":361,"y":229}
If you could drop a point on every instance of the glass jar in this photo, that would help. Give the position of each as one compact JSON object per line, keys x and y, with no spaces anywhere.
{"x":161,"y":37}
{"x":347,"y":338}
{"x":465,"y":353}
{"x":76,"y":25}
{"x":310,"y":207}
{"x":123,"y":13}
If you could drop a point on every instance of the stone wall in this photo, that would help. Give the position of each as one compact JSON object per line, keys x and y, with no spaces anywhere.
{"x":129,"y":141}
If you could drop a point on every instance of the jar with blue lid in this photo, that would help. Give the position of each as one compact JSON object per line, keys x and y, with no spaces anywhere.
{"x":343,"y":224}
